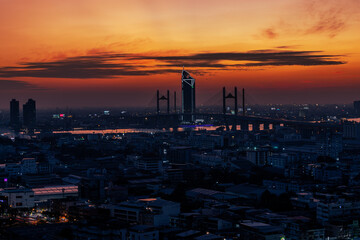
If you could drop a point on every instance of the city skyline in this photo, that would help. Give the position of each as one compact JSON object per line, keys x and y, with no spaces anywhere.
{"x":117,"y":54}
{"x":192,"y":119}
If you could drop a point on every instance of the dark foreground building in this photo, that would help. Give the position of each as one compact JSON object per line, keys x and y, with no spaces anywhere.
{"x":357,"y":107}
{"x":14,"y":114}
{"x":29,"y":114}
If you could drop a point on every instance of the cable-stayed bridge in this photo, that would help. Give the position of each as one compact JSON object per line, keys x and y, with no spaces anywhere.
{"x":233,"y":117}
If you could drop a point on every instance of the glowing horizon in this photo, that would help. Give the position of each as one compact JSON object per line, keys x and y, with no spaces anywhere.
{"x":117,"y":53}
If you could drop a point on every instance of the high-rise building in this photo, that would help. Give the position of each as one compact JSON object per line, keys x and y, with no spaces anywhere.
{"x":29,"y":114}
{"x":188,"y":96}
{"x":14,"y":114}
{"x":357,"y":107}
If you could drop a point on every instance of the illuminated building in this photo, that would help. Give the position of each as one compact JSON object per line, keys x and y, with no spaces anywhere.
{"x":18,"y":197}
{"x":43,"y":194}
{"x":26,"y":198}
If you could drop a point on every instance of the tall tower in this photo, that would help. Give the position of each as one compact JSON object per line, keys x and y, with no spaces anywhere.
{"x":29,"y":114}
{"x":188,"y":96}
{"x":14,"y":114}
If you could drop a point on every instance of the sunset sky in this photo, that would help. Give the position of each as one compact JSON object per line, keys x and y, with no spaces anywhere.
{"x":116,"y":53}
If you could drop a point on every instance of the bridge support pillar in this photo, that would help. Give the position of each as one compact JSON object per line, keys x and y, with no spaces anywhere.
{"x":276,"y":126}
{"x":244,"y":126}
{"x":256,"y":127}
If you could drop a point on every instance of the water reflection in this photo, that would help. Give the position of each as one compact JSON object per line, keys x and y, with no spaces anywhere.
{"x":110,"y":131}
{"x":181,"y":128}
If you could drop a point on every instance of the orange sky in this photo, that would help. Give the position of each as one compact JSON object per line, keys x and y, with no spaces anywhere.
{"x":117,"y":53}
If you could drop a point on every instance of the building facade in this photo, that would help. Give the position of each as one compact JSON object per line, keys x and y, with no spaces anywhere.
{"x":14,"y":114}
{"x":188,"y":96}
{"x":29,"y":114}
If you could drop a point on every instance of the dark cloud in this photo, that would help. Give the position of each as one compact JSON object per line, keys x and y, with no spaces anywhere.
{"x":93,"y":66}
{"x":8,"y":85}
{"x":287,"y":46}
{"x":109,"y":64}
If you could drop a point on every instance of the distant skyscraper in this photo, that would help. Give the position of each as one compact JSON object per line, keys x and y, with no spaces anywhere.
{"x":29,"y":114}
{"x":357,"y":107}
{"x":14,"y":114}
{"x":188,"y":96}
